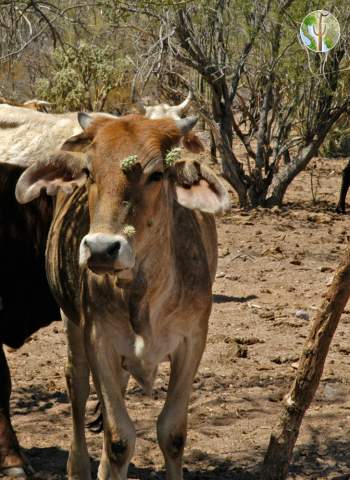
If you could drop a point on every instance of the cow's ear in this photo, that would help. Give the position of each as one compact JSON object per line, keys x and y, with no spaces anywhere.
{"x":193,"y":143}
{"x":90,"y":125}
{"x":77,"y":143}
{"x":61,"y":170}
{"x":197,"y":187}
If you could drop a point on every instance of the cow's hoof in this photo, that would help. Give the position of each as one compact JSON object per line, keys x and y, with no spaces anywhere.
{"x":339,"y":210}
{"x":13,"y":472}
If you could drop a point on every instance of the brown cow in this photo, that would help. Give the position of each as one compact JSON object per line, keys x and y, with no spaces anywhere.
{"x":131,"y":258}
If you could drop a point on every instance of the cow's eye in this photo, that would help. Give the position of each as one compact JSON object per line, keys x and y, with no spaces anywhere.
{"x":155,"y":177}
{"x":89,"y":174}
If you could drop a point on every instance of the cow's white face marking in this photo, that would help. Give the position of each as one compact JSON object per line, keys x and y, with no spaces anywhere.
{"x":139,"y":346}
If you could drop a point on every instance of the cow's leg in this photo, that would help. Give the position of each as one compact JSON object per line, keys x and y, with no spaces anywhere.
{"x":119,"y":432}
{"x":104,"y":469}
{"x":11,"y":461}
{"x":172,"y":422}
{"x":77,"y":377}
{"x":345,"y":184}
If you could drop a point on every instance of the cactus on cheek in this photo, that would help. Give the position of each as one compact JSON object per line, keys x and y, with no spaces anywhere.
{"x":129,"y":231}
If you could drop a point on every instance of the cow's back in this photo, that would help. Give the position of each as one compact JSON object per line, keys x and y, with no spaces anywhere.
{"x":27,"y":136}
{"x":26,"y":301}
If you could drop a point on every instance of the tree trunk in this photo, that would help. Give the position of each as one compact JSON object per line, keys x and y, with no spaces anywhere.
{"x":213,"y":156}
{"x":230,"y":171}
{"x":287,"y":174}
{"x":222,"y":131}
{"x":296,"y":402}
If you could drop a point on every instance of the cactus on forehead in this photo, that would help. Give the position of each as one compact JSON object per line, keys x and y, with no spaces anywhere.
{"x":172,"y":156}
{"x":129,"y":231}
{"x":128,"y":162}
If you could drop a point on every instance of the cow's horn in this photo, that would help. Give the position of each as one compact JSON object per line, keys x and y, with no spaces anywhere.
{"x":85,"y":120}
{"x":39,"y":102}
{"x":185,"y":125}
{"x":185,"y":104}
{"x":137,"y":100}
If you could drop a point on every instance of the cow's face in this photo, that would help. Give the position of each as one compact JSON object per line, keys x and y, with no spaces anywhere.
{"x":131,"y":183}
{"x":126,"y":188}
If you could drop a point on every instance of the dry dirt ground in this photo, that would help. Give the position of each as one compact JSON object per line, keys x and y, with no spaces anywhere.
{"x":272,"y":263}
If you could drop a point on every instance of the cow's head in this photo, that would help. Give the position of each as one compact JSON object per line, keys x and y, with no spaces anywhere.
{"x":191,"y":141}
{"x":131,"y":181}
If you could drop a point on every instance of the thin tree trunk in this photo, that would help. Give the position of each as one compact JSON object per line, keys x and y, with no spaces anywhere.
{"x":287,"y":174}
{"x":213,"y":157}
{"x":299,"y":398}
{"x":230,"y":171}
{"x":261,"y":134}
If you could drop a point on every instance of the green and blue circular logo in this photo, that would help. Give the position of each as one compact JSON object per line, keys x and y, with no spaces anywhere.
{"x":320,"y":31}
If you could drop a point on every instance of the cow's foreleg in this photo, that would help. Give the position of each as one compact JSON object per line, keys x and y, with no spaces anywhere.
{"x":11,"y":461}
{"x":119,"y":432}
{"x":172,"y":422}
{"x":77,"y":377}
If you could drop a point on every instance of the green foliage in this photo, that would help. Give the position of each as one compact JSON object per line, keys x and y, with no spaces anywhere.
{"x":82,"y":77}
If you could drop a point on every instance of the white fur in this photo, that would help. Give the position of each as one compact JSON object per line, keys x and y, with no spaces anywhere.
{"x":27,"y":135}
{"x":139,"y":346}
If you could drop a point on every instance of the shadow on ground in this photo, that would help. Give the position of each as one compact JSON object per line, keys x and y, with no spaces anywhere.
{"x":322,"y":458}
{"x":50,"y":464}
{"x":218,"y":298}
{"x":35,"y":398}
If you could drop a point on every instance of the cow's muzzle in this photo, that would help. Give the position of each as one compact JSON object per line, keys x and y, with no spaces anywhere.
{"x":106,"y":253}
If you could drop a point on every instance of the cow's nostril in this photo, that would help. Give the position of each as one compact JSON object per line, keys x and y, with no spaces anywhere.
{"x":113,"y":249}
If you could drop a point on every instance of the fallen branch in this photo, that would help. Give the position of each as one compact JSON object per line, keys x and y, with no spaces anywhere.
{"x":299,"y":398}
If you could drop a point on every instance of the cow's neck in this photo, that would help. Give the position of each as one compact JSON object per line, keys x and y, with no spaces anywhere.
{"x":155,"y":278}
{"x":156,"y":256}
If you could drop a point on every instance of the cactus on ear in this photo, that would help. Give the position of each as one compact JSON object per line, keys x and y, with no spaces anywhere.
{"x":128,"y":162}
{"x":171,"y":157}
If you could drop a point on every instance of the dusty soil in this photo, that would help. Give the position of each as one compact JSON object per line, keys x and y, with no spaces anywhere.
{"x":272,"y":263}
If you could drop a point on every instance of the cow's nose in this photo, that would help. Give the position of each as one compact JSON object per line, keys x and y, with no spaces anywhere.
{"x":103,"y":249}
{"x":113,"y":249}
{"x":102,"y":253}
{"x":106,"y":253}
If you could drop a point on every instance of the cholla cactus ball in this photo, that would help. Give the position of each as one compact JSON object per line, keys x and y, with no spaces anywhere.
{"x":129,"y":231}
{"x":172,"y":157}
{"x":128,"y":162}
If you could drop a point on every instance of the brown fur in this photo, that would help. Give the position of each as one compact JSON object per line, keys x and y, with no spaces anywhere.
{"x":192,"y":142}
